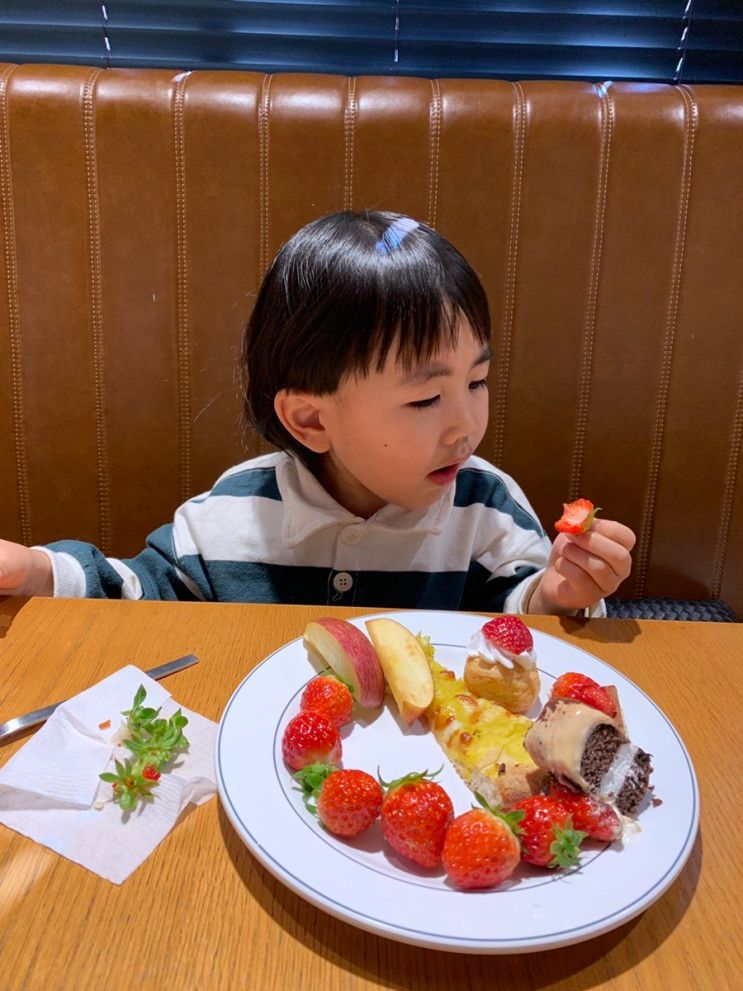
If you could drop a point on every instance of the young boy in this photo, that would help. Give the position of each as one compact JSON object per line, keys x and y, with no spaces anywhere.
{"x":366,"y":361}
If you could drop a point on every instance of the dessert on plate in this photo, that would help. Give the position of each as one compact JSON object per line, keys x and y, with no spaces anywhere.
{"x":483,"y":741}
{"x":588,"y":749}
{"x":501,"y":664}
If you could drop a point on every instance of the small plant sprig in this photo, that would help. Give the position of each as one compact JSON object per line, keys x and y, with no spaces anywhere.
{"x":153,"y":742}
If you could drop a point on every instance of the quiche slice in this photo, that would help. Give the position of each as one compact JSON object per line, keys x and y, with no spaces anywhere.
{"x":484,"y":741}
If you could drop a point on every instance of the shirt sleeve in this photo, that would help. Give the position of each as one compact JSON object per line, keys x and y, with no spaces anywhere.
{"x":81,"y":570}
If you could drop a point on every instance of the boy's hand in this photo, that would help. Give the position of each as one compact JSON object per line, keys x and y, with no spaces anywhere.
{"x":24,"y":571}
{"x":584,"y":568}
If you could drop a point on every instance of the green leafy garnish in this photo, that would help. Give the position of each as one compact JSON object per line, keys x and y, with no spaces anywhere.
{"x":153,"y":742}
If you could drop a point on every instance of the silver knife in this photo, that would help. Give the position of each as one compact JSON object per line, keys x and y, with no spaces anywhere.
{"x":14,"y":726}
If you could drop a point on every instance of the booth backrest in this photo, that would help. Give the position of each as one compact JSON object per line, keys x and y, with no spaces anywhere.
{"x":140,"y":209}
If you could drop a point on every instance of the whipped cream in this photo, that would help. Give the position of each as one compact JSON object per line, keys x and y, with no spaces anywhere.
{"x":480,"y":646}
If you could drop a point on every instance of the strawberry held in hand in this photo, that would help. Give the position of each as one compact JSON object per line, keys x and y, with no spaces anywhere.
{"x":346,"y":802}
{"x":590,"y":558}
{"x":577,"y":517}
{"x":547,"y":835}
{"x":310,"y":738}
{"x":416,"y":813}
{"x":580,"y":687}
{"x":329,"y":696}
{"x":481,"y":849}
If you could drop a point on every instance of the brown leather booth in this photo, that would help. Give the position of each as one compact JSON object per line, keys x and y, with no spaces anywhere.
{"x":140,"y":209}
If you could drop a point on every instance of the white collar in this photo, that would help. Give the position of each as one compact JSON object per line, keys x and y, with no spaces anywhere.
{"x":308,"y":507}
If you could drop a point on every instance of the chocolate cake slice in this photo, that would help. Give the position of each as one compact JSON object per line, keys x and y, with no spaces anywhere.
{"x":586,"y":749}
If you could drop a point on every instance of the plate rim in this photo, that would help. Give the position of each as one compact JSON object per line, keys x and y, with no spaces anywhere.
{"x":416,"y":937}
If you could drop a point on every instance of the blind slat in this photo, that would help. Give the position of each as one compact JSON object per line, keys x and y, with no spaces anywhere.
{"x":510,"y":39}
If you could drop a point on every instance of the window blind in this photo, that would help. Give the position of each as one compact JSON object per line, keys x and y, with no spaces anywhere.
{"x":651,"y":40}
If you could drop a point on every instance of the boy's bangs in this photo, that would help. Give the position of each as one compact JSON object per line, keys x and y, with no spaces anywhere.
{"x":417,"y":335}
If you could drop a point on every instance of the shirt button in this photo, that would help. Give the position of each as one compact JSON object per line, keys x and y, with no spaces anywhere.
{"x":342,"y":582}
{"x":351,"y":535}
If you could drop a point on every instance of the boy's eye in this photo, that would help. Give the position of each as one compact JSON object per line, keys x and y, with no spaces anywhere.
{"x":435,"y":400}
{"x":479,"y":384}
{"x":425,"y":403}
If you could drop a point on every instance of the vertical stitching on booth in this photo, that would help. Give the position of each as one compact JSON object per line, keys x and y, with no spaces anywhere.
{"x":263,"y":138}
{"x":434,"y":141}
{"x":349,"y":130}
{"x":14,"y":311}
{"x":509,"y":307}
{"x":184,"y":377}
{"x":661,"y":408}
{"x":589,"y":325}
{"x":731,"y":479}
{"x":96,"y":307}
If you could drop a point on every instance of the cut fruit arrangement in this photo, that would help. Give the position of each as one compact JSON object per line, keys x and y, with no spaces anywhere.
{"x":543,"y":787}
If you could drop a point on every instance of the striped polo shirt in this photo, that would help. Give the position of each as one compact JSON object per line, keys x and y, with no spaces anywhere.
{"x":269,"y":532}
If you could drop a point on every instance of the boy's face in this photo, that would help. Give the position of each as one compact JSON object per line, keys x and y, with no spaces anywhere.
{"x":401,"y":438}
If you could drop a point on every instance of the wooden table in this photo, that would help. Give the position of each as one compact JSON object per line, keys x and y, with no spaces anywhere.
{"x":202,"y":913}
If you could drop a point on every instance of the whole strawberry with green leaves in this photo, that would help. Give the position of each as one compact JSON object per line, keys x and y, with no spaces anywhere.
{"x":481,"y":849}
{"x":416,"y":812}
{"x":345,"y":801}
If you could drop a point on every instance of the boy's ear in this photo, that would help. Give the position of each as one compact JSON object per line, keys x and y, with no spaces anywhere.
{"x":301,"y":414}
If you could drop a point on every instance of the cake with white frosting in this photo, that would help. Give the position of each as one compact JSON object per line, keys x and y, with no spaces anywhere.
{"x":502,"y":664}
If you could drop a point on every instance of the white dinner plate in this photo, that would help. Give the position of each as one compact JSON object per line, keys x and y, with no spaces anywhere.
{"x":364,"y":882}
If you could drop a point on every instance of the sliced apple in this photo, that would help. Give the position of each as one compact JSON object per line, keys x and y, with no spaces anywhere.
{"x":405,"y":666}
{"x":344,"y":647}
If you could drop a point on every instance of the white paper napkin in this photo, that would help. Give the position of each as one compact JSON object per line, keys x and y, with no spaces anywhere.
{"x":50,"y":788}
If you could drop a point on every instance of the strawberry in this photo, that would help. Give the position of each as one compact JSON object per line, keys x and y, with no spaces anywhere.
{"x":310,"y":738}
{"x":580,"y":687}
{"x":509,"y":633}
{"x":481,"y":848}
{"x":577,"y":517}
{"x":598,"y":820}
{"x":346,"y":802}
{"x":547,"y":835}
{"x":416,"y":813}
{"x":330,"y":697}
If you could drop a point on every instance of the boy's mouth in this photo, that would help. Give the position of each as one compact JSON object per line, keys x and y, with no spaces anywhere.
{"x":446,"y":475}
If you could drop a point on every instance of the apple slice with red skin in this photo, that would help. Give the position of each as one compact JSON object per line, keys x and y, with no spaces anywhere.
{"x":340,"y":644}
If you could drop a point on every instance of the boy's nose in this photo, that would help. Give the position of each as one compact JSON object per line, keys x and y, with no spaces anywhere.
{"x":460,"y":430}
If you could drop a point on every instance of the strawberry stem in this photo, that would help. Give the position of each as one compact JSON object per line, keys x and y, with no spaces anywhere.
{"x":565,"y":847}
{"x":153,"y":742}
{"x":511,"y":819}
{"x":408,"y":779}
{"x":311,"y":779}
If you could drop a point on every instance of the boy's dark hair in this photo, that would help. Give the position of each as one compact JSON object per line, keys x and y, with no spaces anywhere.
{"x":338,"y":297}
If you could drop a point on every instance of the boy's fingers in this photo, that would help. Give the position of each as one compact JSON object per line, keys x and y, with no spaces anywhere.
{"x":616,"y":555}
{"x":578,"y":577}
{"x":612,"y":530}
{"x":594,"y":567}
